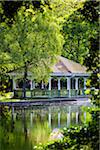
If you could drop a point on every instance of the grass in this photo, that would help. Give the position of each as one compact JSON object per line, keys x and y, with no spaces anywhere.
{"x":7,"y":97}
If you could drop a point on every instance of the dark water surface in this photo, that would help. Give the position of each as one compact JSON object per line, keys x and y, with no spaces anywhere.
{"x":24,"y":128}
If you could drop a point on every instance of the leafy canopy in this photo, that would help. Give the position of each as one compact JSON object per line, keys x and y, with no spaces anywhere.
{"x":77,"y":32}
{"x":33,"y":41}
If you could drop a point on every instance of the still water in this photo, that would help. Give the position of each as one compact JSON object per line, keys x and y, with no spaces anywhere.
{"x":24,"y":128}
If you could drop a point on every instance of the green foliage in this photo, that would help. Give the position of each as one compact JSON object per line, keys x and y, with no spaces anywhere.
{"x":64,"y":8}
{"x":10,"y":9}
{"x":92,"y":59}
{"x":4,"y":84}
{"x":77,"y":32}
{"x":92,"y":63}
{"x":90,"y":11}
{"x":81,"y":34}
{"x":5,"y":59}
{"x":33,"y":41}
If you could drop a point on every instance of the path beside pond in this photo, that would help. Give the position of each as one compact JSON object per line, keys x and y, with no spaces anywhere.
{"x":36,"y":102}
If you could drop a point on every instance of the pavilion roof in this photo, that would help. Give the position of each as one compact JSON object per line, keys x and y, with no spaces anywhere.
{"x":65,"y":65}
{"x":62,"y":66}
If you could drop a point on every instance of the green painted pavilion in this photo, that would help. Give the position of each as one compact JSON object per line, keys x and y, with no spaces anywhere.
{"x":68,"y":79}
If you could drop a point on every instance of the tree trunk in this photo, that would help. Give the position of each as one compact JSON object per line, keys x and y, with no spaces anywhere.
{"x":24,"y":81}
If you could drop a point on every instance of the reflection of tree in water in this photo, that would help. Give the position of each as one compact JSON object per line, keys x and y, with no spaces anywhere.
{"x":21,"y":115}
{"x":24,"y":124}
{"x":5,"y":127}
{"x":10,"y":135}
{"x":12,"y":119}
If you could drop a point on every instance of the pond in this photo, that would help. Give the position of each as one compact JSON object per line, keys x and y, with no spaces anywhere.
{"x":30,"y":126}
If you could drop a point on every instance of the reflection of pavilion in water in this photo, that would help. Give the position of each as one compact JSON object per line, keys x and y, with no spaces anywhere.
{"x":55,"y":117}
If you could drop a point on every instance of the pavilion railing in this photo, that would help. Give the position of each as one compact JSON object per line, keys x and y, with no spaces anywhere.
{"x":45,"y":93}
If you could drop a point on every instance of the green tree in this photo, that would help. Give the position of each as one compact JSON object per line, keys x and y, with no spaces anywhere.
{"x":77,"y":32}
{"x":90,"y":12}
{"x":81,"y":36}
{"x":33,"y":41}
{"x":10,"y":8}
{"x":64,"y":8}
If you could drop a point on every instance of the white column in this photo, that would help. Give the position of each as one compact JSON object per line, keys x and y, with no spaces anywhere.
{"x":76,"y":117}
{"x":68,"y":86}
{"x":31,"y":84}
{"x":14,"y":84}
{"x":42,"y":85}
{"x":58,"y":119}
{"x":49,"y":84}
{"x":58,"y":83}
{"x":85,"y":83}
{"x":76,"y":83}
